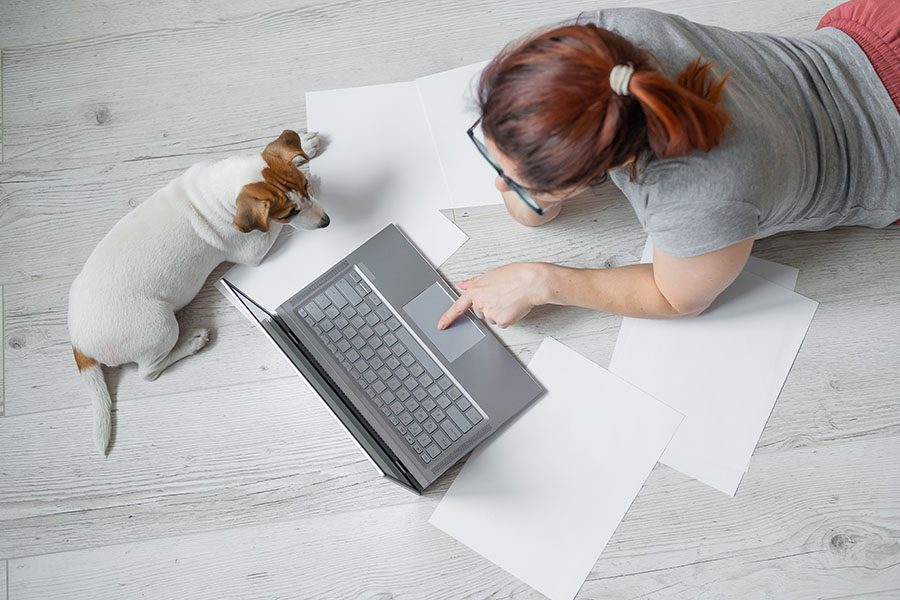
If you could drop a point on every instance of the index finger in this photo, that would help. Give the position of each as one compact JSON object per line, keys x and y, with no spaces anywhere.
{"x":461,"y":305}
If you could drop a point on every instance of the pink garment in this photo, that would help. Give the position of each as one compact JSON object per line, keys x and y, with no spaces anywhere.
{"x":875,"y":26}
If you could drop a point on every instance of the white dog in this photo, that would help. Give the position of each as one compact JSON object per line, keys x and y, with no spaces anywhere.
{"x":154,"y":261}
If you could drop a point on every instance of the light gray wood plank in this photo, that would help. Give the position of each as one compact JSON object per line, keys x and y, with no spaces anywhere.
{"x":134,"y":107}
{"x":3,"y":568}
{"x":2,"y":358}
{"x":816,"y":521}
{"x":186,"y":462}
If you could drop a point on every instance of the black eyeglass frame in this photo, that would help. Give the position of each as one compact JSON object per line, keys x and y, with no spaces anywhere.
{"x":523,"y":194}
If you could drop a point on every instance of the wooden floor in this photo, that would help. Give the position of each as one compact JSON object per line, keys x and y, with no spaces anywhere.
{"x":228,"y":480}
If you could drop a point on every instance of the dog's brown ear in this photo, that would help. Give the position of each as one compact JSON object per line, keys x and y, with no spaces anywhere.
{"x":253,"y":205}
{"x":287,"y":147}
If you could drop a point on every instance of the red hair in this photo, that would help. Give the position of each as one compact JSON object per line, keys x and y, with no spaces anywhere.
{"x":546,"y":103}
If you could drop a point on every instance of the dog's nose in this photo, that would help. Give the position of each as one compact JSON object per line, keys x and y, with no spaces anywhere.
{"x":325,"y":221}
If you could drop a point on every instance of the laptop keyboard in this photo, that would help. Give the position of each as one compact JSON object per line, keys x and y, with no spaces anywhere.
{"x":409,"y":388}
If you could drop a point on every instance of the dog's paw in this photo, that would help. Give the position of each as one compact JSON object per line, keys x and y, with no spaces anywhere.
{"x":309,"y":141}
{"x":196,"y":339}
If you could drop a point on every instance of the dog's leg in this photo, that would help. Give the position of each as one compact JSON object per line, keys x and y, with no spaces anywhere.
{"x":190,"y":342}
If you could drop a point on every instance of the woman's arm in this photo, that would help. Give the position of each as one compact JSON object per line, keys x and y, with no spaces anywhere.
{"x":668,"y":288}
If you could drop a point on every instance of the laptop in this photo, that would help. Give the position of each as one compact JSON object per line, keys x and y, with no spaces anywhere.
{"x":364,"y":335}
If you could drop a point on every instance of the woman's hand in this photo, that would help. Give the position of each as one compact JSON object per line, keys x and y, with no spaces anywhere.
{"x":501,"y":296}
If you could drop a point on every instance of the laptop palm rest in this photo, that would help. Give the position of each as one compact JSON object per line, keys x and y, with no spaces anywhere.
{"x":425,"y":310}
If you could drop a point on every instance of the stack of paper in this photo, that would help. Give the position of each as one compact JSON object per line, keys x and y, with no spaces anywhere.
{"x":542,"y":497}
{"x":723,"y":370}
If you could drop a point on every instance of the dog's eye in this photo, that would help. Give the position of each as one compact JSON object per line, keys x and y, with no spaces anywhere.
{"x":294,"y":212}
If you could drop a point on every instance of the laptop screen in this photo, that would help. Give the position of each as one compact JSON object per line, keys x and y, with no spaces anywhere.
{"x":333,"y":397}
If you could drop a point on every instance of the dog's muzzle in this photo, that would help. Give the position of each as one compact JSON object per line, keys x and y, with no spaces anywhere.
{"x":324,"y":221}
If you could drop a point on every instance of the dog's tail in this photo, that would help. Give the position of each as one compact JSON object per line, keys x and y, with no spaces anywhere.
{"x":93,"y":375}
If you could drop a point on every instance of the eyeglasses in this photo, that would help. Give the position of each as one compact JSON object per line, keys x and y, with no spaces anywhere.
{"x":524,"y":196}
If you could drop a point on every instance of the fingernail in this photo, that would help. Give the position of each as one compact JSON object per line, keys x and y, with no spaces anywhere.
{"x":440,"y":324}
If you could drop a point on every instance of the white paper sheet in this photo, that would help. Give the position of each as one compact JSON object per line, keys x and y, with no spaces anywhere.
{"x":542,"y":498}
{"x":449,"y":102}
{"x":726,"y":479}
{"x":723,"y":370}
{"x":379,"y":166}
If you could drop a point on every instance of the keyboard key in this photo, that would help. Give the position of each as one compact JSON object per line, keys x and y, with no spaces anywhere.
{"x":379,"y":387}
{"x":302,"y":312}
{"x":341,"y":322}
{"x":336,"y":297}
{"x":390,"y":339}
{"x":375,"y":342}
{"x":332,"y":348}
{"x":357,"y":321}
{"x":384,"y":353}
{"x":461,"y":421}
{"x":376,"y":363}
{"x":406,"y":359}
{"x":317,"y":329}
{"x":473,"y":415}
{"x":401,"y":372}
{"x":402,"y":393}
{"x":417,"y":370}
{"x":373,"y":300}
{"x":423,"y":439}
{"x":415,"y":429}
{"x":388,"y":397}
{"x":331,"y":312}
{"x":433,"y":450}
{"x":421,"y":415}
{"x":349,"y":293}
{"x":396,"y":408}
{"x":426,"y":458}
{"x":358,"y":342}
{"x":393,"y":323}
{"x":367,"y":353}
{"x":384,"y":312}
{"x":444,"y":382}
{"x":370,"y":393}
{"x":366,"y":331}
{"x":428,"y":404}
{"x":394,"y":420}
{"x":391,"y":362}
{"x":406,"y":418}
{"x":443,"y":401}
{"x":425,"y":380}
{"x":434,"y":391}
{"x":354,"y":276}
{"x":399,"y":350}
{"x":386,"y":410}
{"x":438,"y":415}
{"x":344,"y":347}
{"x":410,"y":383}
{"x":372,"y":319}
{"x":377,"y":400}
{"x":334,"y":335}
{"x":410,"y":439}
{"x":362,"y":289}
{"x":323,"y":301}
{"x":348,"y":332}
{"x":411,"y":405}
{"x":454,"y":393}
{"x":419,"y":394}
{"x":418,"y":448}
{"x":403,"y":430}
{"x":364,"y":309}
{"x":451,"y":430}
{"x":315,"y":312}
{"x":432,"y":367}
{"x":381,"y":329}
{"x":463,"y":403}
{"x":441,"y":438}
{"x":351,"y":354}
{"x":370,"y":376}
{"x":361,"y":365}
{"x":384,"y":373}
{"x":429,"y":425}
{"x":393,"y":383}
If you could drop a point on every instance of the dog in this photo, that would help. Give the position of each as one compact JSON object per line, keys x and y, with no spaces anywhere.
{"x":154,"y":261}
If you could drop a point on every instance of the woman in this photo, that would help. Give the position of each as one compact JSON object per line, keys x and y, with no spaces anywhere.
{"x":717,"y":138}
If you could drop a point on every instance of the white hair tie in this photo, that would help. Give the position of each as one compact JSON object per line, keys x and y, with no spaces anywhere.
{"x":620,"y":77}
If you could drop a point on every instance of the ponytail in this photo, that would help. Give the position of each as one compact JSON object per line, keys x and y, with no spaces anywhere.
{"x":682,"y":116}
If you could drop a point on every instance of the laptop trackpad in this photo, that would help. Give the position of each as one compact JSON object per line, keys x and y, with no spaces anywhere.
{"x":425,"y":310}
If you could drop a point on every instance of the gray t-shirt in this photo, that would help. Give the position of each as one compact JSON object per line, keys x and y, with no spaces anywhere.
{"x":814,"y":141}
